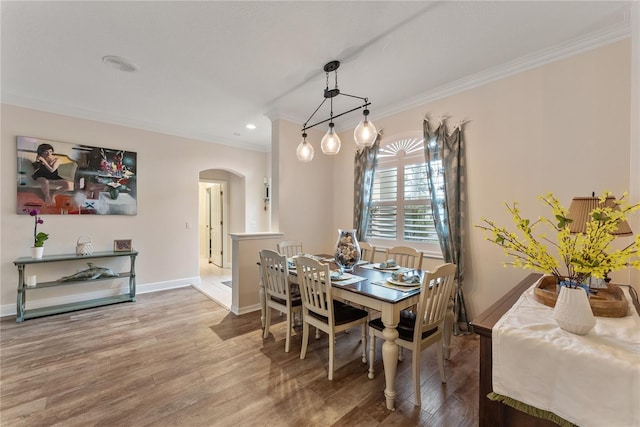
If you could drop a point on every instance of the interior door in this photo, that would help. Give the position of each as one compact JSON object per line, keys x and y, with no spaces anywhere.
{"x":215,"y":223}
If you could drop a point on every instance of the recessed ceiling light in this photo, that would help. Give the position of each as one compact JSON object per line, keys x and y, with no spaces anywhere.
{"x":121,"y":64}
{"x":250,"y":126}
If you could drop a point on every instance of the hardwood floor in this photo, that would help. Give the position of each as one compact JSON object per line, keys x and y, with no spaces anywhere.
{"x":177,"y":358}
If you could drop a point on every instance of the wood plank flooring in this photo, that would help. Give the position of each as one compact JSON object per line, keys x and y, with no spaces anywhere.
{"x":176,"y":358}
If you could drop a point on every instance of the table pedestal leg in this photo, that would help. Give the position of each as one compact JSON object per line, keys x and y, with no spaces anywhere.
{"x":21,"y":295}
{"x":390,"y":362}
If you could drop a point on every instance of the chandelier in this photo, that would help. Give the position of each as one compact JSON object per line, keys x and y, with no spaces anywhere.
{"x":364,"y":134}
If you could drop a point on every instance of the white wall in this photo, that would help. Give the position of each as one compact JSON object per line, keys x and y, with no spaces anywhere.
{"x":168,"y":169}
{"x":563,"y":127}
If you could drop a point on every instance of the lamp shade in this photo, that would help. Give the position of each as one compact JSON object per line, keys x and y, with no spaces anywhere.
{"x":330,"y":143}
{"x":365,"y":133}
{"x":305,"y":150}
{"x":580,"y":212}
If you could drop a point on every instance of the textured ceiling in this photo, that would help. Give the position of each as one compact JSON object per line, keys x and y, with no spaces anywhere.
{"x":208,"y":68}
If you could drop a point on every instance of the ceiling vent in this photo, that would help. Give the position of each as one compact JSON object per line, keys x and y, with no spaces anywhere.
{"x":121,"y":64}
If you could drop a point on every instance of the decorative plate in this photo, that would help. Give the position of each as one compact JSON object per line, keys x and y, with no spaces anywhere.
{"x":397,"y":283}
{"x":377,"y":267}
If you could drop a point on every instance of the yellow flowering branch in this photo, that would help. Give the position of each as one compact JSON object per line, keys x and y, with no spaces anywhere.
{"x":583,"y":255}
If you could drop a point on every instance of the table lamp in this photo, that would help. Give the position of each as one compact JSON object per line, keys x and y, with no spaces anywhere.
{"x":580,"y":214}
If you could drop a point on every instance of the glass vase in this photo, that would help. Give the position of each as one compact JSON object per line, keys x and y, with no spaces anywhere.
{"x":347,"y":251}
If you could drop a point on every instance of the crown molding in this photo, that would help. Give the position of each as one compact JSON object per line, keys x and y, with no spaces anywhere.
{"x":525,"y":63}
{"x":54,"y":108}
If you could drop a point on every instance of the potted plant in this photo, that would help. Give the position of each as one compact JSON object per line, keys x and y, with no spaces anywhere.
{"x":576,"y":257}
{"x":38,"y":237}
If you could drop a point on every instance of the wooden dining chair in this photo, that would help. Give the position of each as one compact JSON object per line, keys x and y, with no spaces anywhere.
{"x":420,"y":330}
{"x":278,"y":293}
{"x":367,"y":251}
{"x":405,"y":256}
{"x":319,"y":309}
{"x":290,"y":248}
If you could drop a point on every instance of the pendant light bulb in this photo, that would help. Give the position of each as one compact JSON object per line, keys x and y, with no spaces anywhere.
{"x":304,"y":152}
{"x":365,"y":133}
{"x":330,"y":143}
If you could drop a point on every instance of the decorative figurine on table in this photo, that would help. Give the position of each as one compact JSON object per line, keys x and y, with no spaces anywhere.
{"x":91,"y":273}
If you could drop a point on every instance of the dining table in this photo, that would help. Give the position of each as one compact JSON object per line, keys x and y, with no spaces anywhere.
{"x":368,"y":285}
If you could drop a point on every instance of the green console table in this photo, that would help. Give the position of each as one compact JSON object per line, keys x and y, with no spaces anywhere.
{"x":21,"y":263}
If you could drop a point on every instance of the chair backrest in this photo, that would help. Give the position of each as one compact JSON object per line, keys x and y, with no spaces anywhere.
{"x":274,"y":274}
{"x":405,"y":256}
{"x":367,"y":251}
{"x":290,"y":248}
{"x":315,"y":287}
{"x":437,"y":289}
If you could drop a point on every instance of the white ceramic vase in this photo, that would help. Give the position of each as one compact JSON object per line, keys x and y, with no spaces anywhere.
{"x":36,"y":252}
{"x":573,"y":312}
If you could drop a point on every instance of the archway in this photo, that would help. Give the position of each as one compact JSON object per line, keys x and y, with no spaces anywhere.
{"x":221,"y":209}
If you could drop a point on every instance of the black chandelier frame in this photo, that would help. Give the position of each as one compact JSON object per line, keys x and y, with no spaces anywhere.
{"x":332,"y":93}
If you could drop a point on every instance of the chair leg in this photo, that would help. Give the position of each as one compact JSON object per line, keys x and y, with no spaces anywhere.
{"x":372,"y":353}
{"x":317,"y":333}
{"x":267,"y":322}
{"x":448,"y":329}
{"x":288,"y":336}
{"x":401,"y":354}
{"x":332,"y":347}
{"x":305,"y":339}
{"x":440,"y":356}
{"x":416,"y":375}
{"x":364,"y":343}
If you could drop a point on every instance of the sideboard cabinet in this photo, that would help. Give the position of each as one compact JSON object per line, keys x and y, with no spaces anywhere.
{"x":23,"y":314}
{"x":493,"y":413}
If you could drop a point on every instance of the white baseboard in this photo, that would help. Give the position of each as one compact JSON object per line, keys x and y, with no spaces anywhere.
{"x":10,"y":309}
{"x":244,"y":310}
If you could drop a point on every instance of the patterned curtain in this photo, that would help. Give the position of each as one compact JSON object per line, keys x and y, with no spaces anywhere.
{"x":448,"y":212}
{"x":364,"y":166}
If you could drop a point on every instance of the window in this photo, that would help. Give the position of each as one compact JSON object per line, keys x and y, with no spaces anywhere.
{"x":400,"y":212}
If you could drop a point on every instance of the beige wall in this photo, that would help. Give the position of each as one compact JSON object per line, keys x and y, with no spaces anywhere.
{"x":168,"y":169}
{"x":563,"y":127}
{"x":634,"y":158}
{"x":302,"y":196}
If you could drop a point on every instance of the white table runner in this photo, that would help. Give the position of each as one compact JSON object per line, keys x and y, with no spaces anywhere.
{"x":590,"y":380}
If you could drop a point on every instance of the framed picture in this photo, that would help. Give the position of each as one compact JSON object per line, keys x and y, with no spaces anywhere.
{"x":60,"y":178}
{"x":122,"y":245}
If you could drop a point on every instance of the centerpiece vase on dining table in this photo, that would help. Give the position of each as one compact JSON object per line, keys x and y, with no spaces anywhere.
{"x":347,"y":251}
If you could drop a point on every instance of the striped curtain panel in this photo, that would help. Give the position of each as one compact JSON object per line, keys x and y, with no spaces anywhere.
{"x":364,"y":169}
{"x":448,"y":211}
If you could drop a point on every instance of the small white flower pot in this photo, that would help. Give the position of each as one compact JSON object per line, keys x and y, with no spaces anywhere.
{"x":36,"y":252}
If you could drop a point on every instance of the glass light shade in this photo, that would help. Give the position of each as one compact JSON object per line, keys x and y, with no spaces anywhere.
{"x":365,"y":133}
{"x":305,"y":151}
{"x":330,"y":143}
